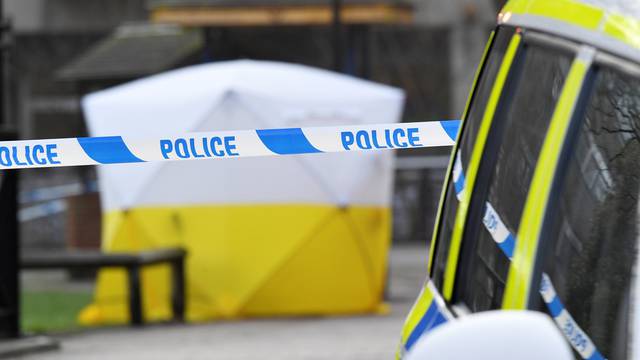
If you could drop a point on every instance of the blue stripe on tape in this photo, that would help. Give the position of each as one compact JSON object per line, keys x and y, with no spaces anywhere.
{"x":459,"y":184}
{"x":108,"y":150}
{"x":286,"y":141}
{"x":451,"y":127}
{"x":508,"y":245}
{"x":555,"y":306}
{"x":596,"y":356}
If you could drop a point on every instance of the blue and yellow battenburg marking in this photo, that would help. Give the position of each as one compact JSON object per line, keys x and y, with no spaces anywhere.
{"x":428,"y":312}
{"x":225,"y":144}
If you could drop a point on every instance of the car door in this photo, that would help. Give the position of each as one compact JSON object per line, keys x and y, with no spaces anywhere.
{"x":506,"y":169}
{"x":587,"y":262}
{"x":430,"y":309}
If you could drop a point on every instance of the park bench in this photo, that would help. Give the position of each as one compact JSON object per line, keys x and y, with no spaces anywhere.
{"x":132,"y":262}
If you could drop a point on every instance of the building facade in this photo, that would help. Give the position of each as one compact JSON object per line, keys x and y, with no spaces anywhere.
{"x":433,"y":57}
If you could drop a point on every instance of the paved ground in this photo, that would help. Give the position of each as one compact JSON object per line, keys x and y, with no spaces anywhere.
{"x":365,"y":337}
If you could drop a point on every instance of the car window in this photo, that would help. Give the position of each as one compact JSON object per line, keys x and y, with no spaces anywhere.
{"x":472,"y":123}
{"x":592,"y":224}
{"x":509,"y":159}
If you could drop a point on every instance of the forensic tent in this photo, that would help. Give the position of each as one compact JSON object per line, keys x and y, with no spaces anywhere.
{"x":286,"y":235}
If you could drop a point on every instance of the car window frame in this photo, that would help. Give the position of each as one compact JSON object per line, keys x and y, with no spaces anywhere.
{"x":435,"y":243}
{"x":529,"y":38}
{"x":545,"y":243}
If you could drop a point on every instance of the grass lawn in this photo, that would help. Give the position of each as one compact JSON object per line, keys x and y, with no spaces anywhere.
{"x":46,"y":311}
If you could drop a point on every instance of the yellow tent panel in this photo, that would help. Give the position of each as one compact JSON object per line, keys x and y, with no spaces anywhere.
{"x":287,"y":260}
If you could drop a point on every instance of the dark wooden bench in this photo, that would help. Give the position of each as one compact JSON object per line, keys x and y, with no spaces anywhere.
{"x":132,"y":262}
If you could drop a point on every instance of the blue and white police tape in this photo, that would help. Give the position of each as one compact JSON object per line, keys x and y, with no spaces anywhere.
{"x":576,"y":336}
{"x":43,"y":210}
{"x":225,"y":144}
{"x":458,"y":177}
{"x":505,"y":240}
{"x":499,"y":232}
{"x":57,"y":192}
{"x":578,"y":339}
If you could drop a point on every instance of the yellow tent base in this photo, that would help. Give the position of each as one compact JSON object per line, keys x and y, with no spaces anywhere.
{"x":250,"y":261}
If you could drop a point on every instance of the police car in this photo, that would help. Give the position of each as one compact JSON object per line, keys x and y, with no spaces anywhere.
{"x":539,"y":211}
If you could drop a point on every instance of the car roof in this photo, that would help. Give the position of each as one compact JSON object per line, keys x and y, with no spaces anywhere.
{"x":611,"y":25}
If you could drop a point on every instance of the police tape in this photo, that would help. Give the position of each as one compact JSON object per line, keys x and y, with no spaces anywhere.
{"x":56,"y":192}
{"x":225,"y":144}
{"x":505,"y":240}
{"x":498,"y":230}
{"x":572,"y":332}
{"x":578,"y":339}
{"x":43,"y":210}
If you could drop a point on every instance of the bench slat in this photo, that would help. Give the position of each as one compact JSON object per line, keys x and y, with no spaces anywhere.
{"x":94,"y":260}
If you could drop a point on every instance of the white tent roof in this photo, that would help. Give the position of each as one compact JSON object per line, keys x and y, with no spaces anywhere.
{"x":244,"y":95}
